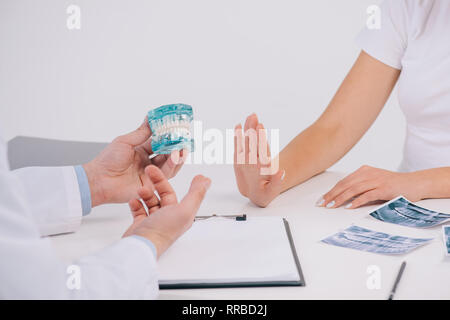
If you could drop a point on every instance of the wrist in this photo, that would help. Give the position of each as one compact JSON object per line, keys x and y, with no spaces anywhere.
{"x":95,"y":185}
{"x":432,"y":183}
{"x":160,"y":242}
{"x":148,"y":243}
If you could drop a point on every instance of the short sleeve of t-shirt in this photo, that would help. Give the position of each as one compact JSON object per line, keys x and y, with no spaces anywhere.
{"x":388,"y":42}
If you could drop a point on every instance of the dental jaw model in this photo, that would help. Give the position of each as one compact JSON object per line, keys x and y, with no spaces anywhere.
{"x":170,"y":126}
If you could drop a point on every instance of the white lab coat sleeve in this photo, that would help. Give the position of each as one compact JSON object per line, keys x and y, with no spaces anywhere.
{"x":54,"y":197}
{"x":30,"y":269}
{"x":125,"y":270}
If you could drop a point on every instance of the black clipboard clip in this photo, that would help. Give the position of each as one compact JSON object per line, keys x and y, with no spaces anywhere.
{"x":237,"y":217}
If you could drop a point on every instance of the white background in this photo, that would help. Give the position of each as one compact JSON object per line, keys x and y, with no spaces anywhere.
{"x":283,"y":59}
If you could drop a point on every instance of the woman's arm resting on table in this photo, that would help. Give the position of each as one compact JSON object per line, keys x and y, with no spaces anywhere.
{"x":349,"y":115}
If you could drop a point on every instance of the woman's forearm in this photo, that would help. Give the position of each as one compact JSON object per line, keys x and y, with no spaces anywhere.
{"x":310,"y":153}
{"x":350,"y":114}
{"x":434,"y":183}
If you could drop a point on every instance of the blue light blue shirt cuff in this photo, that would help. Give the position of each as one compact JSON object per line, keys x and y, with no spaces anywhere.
{"x":147,"y":242}
{"x":85,"y":190}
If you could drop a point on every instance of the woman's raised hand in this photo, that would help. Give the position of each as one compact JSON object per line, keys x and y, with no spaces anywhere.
{"x":257,"y":175}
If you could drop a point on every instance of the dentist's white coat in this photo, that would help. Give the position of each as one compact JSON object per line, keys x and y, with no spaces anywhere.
{"x":35,"y":202}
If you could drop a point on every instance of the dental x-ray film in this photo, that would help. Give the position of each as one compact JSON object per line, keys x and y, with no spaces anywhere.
{"x":359,"y":238}
{"x":403,"y":212}
{"x":446,"y":234}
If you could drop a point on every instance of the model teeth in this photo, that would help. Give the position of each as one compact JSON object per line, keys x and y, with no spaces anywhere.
{"x":173,"y":127}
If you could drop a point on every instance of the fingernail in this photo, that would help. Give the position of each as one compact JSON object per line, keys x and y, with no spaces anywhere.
{"x":348,"y":206}
{"x":320,"y":202}
{"x":331,"y":204}
{"x":283,"y":175}
{"x":207,"y":183}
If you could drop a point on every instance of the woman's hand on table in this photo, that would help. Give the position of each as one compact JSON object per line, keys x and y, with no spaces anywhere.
{"x":368,"y":184}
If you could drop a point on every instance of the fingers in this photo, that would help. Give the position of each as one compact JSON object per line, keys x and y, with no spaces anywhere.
{"x":269,"y":166}
{"x":138,"y":136}
{"x":251,"y":122}
{"x":147,"y":146}
{"x":246,"y":145}
{"x":159,"y":160}
{"x":239,"y":157}
{"x":350,"y":193}
{"x":183,"y":156}
{"x":365,"y":198}
{"x":263,"y":146}
{"x":329,"y":199}
{"x":170,"y":164}
{"x":365,"y":185}
{"x":145,"y":179}
{"x":193,"y":199}
{"x":251,"y":139}
{"x":162,"y":186}
{"x":137,"y":209}
{"x":147,"y":194}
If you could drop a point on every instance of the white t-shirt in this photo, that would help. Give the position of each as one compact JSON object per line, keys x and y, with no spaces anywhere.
{"x":415,"y":37}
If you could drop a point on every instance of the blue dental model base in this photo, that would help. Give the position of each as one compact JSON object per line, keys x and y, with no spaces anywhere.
{"x":170,"y":125}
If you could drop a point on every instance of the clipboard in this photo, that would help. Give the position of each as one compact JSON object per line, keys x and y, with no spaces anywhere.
{"x":209,"y":255}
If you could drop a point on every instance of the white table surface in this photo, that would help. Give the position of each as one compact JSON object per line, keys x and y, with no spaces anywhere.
{"x":330,"y":272}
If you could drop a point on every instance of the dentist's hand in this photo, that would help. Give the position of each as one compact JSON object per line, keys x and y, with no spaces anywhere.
{"x":117,"y":173}
{"x":168,"y":219}
{"x":255,"y":177}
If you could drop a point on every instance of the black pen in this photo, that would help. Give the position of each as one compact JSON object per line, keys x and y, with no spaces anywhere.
{"x":397,"y":280}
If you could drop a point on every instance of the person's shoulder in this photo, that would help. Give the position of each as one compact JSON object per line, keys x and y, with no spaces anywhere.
{"x":397,"y":7}
{"x":414,"y":8}
{"x":406,"y":6}
{"x":411,"y":15}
